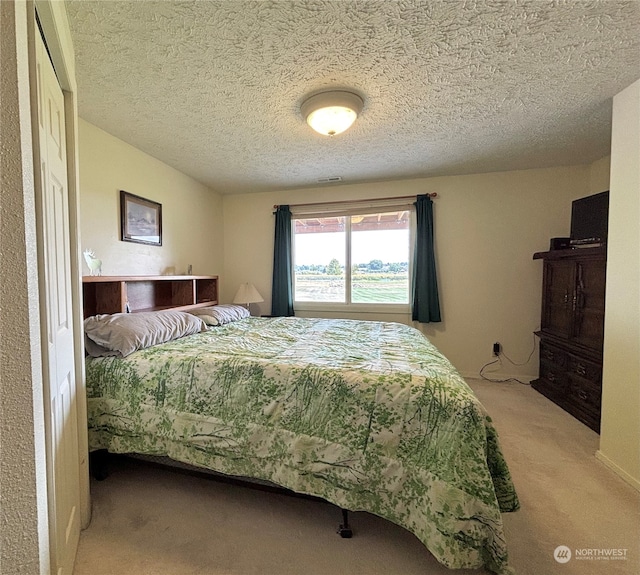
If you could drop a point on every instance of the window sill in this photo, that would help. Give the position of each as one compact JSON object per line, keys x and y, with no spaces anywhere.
{"x":353,"y":308}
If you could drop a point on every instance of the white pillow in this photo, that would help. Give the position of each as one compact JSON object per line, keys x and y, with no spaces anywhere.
{"x":221,"y":314}
{"x":124,"y":333}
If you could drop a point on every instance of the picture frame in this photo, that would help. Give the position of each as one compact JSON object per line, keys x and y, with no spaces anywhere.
{"x":140,"y":220}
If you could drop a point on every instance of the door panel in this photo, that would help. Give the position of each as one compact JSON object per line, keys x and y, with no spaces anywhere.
{"x":590,"y":297}
{"x":63,"y":465}
{"x":559,"y":291}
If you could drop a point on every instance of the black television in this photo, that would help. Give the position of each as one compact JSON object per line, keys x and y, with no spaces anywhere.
{"x":589,"y":220}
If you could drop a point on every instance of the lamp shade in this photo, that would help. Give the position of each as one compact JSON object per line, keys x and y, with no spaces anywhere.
{"x":246,"y":294}
{"x":332,"y":113}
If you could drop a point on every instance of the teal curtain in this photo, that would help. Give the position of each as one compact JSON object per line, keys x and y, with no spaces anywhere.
{"x":425,"y":304}
{"x":282,"y":286}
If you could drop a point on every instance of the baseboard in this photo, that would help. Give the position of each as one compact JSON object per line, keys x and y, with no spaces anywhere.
{"x":635,"y":483}
{"x":499,"y":376}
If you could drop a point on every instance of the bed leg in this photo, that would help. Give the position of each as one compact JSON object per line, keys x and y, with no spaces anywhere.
{"x":98,"y":464}
{"x":344,"y":530}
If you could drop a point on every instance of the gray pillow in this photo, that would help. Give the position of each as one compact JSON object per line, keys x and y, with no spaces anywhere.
{"x":221,"y":314}
{"x":123,"y":333}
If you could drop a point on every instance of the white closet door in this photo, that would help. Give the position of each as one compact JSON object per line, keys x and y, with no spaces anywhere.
{"x":63,"y":466}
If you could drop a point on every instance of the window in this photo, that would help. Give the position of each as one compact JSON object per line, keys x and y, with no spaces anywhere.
{"x":352,"y":259}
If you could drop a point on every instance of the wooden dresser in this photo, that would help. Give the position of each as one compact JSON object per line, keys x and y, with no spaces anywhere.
{"x":572,"y":331}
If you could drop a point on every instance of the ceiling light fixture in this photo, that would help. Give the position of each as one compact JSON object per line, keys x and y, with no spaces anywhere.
{"x":331,"y":113}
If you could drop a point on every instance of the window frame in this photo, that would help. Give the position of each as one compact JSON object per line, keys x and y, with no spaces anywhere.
{"x":348,"y":305}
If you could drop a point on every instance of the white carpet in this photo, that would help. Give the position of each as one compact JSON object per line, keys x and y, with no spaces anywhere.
{"x":150,"y":521}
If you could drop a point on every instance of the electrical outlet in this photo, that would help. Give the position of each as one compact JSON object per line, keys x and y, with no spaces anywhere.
{"x":496,"y":348}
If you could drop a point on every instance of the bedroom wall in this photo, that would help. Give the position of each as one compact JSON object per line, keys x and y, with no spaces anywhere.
{"x":191,"y":212}
{"x":599,"y":175}
{"x":24,"y":531}
{"x":620,"y":434}
{"x":487,"y":227}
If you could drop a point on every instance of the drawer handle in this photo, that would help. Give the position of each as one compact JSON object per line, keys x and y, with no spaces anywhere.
{"x":551,"y":377}
{"x":549,"y":355}
{"x":582,"y":395}
{"x":581,"y":369}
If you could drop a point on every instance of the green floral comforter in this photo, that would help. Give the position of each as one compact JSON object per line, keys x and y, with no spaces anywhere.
{"x":367,"y":415}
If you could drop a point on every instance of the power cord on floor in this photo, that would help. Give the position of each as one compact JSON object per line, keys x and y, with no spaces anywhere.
{"x":499,"y":360}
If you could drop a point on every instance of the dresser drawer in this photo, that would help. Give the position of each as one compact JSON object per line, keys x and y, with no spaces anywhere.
{"x":585,"y":394}
{"x":551,"y":354}
{"x":553,"y":370}
{"x":554,"y":377}
{"x":585,"y":369}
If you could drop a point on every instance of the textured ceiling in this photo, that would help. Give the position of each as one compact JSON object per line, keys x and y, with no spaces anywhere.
{"x":213,"y":88}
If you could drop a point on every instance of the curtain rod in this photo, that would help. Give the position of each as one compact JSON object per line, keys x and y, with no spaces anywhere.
{"x":431,"y":195}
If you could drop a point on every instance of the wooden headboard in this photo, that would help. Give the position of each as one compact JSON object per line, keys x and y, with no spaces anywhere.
{"x":118,"y":294}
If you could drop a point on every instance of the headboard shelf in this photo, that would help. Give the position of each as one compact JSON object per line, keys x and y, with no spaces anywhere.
{"x":114,"y":294}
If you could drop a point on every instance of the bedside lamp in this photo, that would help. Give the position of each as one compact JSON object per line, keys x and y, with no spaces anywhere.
{"x":246,"y":295}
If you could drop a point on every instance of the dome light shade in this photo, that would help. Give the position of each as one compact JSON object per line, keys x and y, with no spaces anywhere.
{"x":331,"y":113}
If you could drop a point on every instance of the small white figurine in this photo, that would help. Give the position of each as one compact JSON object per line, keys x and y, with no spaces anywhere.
{"x":95,"y":265}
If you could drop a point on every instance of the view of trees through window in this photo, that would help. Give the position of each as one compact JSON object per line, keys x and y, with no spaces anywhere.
{"x":374,"y":270}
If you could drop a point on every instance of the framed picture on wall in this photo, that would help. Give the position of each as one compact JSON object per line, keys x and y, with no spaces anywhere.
{"x":140,"y":220}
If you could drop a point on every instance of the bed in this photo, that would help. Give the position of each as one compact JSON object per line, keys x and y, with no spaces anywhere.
{"x":366,"y":415}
